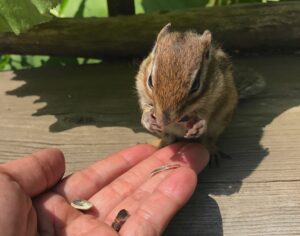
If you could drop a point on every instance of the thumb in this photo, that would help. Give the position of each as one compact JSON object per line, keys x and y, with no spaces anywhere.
{"x":36,"y":172}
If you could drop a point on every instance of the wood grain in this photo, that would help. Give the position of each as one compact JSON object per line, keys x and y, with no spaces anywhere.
{"x":91,"y":111}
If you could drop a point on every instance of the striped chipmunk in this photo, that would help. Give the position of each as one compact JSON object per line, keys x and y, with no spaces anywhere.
{"x":187,"y":90}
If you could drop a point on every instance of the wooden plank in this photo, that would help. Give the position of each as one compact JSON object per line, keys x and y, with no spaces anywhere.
{"x":78,"y":110}
{"x":254,"y":209}
{"x":264,"y":136}
{"x":69,"y":108}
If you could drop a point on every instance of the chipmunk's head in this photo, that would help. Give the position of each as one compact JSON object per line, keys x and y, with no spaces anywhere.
{"x":176,"y":72}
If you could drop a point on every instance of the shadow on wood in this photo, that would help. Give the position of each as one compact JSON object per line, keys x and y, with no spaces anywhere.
{"x":103,"y":95}
{"x":242,"y":142}
{"x":99,"y":95}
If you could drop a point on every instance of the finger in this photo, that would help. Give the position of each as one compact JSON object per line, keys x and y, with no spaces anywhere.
{"x":16,"y":206}
{"x":133,"y":201}
{"x":56,"y":217}
{"x":90,"y":180}
{"x":53,"y":213}
{"x":31,"y":223}
{"x":130,"y":183}
{"x":38,"y":171}
{"x":155,"y":212}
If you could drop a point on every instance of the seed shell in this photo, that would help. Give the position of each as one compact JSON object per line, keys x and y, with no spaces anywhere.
{"x":81,"y":204}
{"x":164,"y":167}
{"x":120,"y":219}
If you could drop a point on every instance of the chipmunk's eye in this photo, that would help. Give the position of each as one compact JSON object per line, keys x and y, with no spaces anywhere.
{"x":150,"y":83}
{"x":195,"y":86}
{"x":184,"y":119}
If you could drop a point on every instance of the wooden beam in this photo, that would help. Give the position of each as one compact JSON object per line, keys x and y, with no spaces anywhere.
{"x":257,"y":27}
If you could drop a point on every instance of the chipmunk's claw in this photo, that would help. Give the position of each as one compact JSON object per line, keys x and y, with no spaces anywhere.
{"x":224,"y":155}
{"x":198,"y":129}
{"x":214,"y":161}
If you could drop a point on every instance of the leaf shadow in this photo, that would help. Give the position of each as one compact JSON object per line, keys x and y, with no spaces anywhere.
{"x":202,"y":215}
{"x":103,"y":96}
{"x":99,"y":95}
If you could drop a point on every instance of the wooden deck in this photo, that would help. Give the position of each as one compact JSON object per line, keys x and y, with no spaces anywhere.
{"x":91,"y":111}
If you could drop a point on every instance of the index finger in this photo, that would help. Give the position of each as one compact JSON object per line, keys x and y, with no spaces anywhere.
{"x":86,"y":182}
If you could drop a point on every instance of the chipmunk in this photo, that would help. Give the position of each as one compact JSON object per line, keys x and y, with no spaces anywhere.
{"x":186,"y":88}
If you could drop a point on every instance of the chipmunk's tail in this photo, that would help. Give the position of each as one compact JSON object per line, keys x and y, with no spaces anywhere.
{"x":248,"y":82}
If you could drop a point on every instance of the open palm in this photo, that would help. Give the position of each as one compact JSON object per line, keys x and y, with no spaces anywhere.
{"x":121,"y":181}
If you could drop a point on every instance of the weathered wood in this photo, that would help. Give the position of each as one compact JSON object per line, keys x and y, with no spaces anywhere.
{"x":255,"y":209}
{"x":91,"y":111}
{"x":240,"y":27}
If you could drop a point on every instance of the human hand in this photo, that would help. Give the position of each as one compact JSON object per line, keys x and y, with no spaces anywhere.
{"x":119,"y":182}
{"x":21,"y":180}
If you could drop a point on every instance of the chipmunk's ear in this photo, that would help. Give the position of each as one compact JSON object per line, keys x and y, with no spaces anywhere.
{"x":165,"y":30}
{"x":206,"y":39}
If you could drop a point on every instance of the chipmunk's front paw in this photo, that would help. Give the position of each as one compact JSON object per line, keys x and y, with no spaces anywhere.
{"x":149,"y":122}
{"x":198,"y":129}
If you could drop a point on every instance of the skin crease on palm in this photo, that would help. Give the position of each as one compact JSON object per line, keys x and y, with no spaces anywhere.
{"x":33,"y":196}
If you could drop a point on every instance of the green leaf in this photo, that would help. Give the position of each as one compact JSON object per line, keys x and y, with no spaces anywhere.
{"x":83,"y":8}
{"x":4,"y":59}
{"x":3,"y":25}
{"x":158,"y":5}
{"x":62,"y":6}
{"x":44,"y":5}
{"x":20,"y":15}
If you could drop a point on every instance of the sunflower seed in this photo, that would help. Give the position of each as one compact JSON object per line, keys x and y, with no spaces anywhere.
{"x":81,"y":204}
{"x":121,"y":217}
